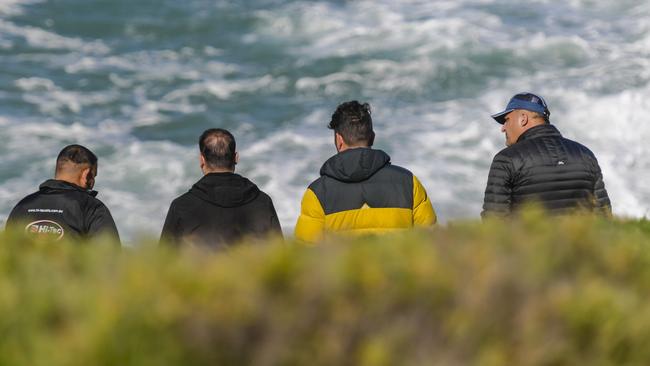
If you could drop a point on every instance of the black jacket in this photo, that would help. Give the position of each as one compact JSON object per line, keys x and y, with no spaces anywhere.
{"x":62,"y":210}
{"x":220,"y":209}
{"x":545,"y":167}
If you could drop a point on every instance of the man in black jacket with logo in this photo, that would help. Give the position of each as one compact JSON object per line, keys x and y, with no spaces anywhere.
{"x":222,"y":207}
{"x":539,"y":165}
{"x":66,"y":207}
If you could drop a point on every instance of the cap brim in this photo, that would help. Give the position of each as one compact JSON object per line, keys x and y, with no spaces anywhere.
{"x":501,"y":116}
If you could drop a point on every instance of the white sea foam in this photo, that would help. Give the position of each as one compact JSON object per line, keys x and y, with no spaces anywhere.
{"x":140,"y":180}
{"x":284,"y":177}
{"x":41,"y":38}
{"x":15,"y":7}
{"x":53,"y":100}
{"x":92,"y":63}
{"x":615,"y":134}
{"x":364,"y":27}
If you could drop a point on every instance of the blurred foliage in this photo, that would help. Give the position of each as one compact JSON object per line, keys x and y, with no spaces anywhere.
{"x":530,"y":291}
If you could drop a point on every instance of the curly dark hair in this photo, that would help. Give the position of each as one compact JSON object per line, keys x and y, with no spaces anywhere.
{"x":353,"y":122}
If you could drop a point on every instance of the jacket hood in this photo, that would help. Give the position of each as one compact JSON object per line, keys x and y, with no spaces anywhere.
{"x":53,"y":185}
{"x":355,"y":165}
{"x":225,"y":189}
{"x":539,"y":131}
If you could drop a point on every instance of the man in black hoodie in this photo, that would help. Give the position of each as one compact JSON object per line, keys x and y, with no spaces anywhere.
{"x":539,"y":165}
{"x":66,"y":207}
{"x":222,"y":207}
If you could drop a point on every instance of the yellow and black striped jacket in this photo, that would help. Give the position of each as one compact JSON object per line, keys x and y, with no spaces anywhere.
{"x":361,"y":192}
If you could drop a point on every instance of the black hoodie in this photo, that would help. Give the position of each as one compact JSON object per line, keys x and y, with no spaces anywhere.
{"x":220,"y":209}
{"x":62,"y":210}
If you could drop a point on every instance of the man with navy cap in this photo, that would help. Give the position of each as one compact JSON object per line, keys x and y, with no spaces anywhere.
{"x":539,"y":165}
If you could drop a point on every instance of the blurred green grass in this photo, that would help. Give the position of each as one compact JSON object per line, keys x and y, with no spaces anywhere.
{"x":531,"y":291}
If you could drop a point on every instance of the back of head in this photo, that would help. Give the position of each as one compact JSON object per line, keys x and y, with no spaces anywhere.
{"x":534,"y":104}
{"x":74,"y":158}
{"x":353,"y":122}
{"x":218,"y":147}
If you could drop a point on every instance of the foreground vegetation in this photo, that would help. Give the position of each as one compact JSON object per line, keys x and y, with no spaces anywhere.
{"x":534,"y":291}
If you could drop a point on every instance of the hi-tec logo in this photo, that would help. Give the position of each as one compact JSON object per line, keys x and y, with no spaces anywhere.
{"x":45,"y":229}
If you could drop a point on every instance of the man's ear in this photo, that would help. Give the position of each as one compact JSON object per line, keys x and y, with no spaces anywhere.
{"x":86,"y":178}
{"x":371,"y":141}
{"x":338,"y":141}
{"x":236,"y":157}
{"x":202,"y":162}
{"x":83,"y":176}
{"x":523,"y":119}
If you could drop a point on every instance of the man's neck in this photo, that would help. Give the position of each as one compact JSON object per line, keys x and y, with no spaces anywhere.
{"x":535,"y":123}
{"x":67,"y":179}
{"x":345,"y":147}
{"x":206,"y":172}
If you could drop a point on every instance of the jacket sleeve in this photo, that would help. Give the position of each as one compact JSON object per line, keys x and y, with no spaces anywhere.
{"x":274,"y":226}
{"x":311,"y":222}
{"x":13,"y":220}
{"x":171,"y":232}
{"x":602,"y":203}
{"x":100,"y":222}
{"x":423,"y":213}
{"x":498,"y":192}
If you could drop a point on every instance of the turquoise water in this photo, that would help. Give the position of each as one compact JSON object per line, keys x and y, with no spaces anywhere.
{"x":137,"y":82}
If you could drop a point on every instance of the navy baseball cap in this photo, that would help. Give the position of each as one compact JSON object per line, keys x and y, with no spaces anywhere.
{"x":527,"y":101}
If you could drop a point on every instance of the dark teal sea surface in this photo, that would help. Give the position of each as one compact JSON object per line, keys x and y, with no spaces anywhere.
{"x":138,"y":81}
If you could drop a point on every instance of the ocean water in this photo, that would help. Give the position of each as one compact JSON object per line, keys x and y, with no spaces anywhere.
{"x":137,"y":82}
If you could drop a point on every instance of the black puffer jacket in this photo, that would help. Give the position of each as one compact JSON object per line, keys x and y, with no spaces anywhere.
{"x":545,"y":167}
{"x":62,"y":210}
{"x":220,"y":209}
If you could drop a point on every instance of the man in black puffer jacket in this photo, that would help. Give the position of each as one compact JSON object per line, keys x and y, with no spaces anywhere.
{"x":539,"y":165}
{"x":222,"y":207}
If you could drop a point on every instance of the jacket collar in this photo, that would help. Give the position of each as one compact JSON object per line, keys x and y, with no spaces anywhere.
{"x":51,"y":185}
{"x":355,"y":165}
{"x":540,"y":131}
{"x":225,"y":189}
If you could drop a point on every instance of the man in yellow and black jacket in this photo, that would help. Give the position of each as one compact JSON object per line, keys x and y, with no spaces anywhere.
{"x":360,"y":191}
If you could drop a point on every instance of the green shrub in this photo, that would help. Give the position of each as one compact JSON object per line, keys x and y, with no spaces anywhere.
{"x":532,"y":291}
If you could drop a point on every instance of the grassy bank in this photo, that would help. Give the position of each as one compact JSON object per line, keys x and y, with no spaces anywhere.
{"x":528,"y":292}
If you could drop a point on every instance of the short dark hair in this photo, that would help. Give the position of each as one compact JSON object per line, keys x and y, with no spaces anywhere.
{"x":353,"y":122}
{"x":75,"y":154}
{"x":218,"y":148}
{"x":540,"y":116}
